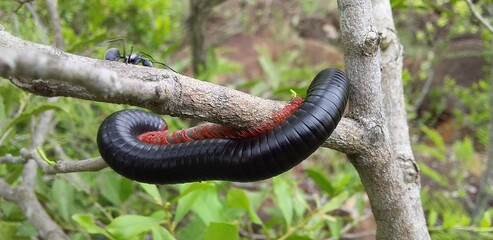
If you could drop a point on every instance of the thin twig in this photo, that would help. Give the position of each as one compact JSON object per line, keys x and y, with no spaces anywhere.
{"x":52,"y":6}
{"x":485,"y":189}
{"x":12,"y":159}
{"x":478,"y":16}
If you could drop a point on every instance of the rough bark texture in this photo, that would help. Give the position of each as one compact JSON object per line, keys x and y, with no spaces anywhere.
{"x":386,"y":164}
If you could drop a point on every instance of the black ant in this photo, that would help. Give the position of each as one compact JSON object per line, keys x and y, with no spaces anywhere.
{"x":113,"y":54}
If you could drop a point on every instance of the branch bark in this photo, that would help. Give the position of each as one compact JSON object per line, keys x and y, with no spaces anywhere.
{"x":47,"y":71}
{"x":386,"y":167}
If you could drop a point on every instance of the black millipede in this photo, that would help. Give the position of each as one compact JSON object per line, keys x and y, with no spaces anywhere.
{"x":240,"y":160}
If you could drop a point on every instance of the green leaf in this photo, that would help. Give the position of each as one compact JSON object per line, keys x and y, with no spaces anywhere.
{"x":436,"y":176}
{"x":43,"y":156}
{"x":335,"y":202}
{"x":436,"y":138}
{"x":114,"y":188}
{"x":284,"y":198}
{"x":209,"y":208}
{"x":436,"y":153}
{"x":322,"y":180}
{"x":293,"y":93}
{"x":186,"y":199}
{"x":8,"y":230}
{"x":432,"y":218}
{"x":237,"y":198}
{"x":188,"y":188}
{"x":3,"y":114}
{"x":335,"y":227}
{"x":131,"y":226}
{"x":194,"y":229}
{"x":152,"y":190}
{"x":464,"y":150}
{"x":63,"y":196}
{"x":161,"y":233}
{"x":88,"y":224}
{"x":486,"y":219}
{"x":220,"y":230}
{"x":27,"y":114}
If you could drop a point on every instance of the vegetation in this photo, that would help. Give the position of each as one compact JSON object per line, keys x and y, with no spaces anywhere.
{"x":319,"y":200}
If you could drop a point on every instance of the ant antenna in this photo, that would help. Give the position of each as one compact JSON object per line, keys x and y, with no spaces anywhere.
{"x":154,"y":61}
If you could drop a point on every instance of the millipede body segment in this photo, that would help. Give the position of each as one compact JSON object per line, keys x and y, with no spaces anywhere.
{"x":254,"y":158}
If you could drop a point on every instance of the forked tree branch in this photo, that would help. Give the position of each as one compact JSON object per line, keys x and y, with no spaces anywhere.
{"x":391,"y":183}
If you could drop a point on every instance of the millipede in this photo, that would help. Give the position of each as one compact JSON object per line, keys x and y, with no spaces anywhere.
{"x":238,"y":155}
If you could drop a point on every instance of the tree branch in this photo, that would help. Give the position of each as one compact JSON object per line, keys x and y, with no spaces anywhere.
{"x":11,"y":159}
{"x":32,"y":209}
{"x":66,"y":166}
{"x":391,"y":187}
{"x":50,"y":72}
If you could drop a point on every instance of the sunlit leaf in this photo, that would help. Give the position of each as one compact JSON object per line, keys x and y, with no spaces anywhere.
{"x":284,"y":198}
{"x":237,"y":198}
{"x":220,"y":230}
{"x":131,"y":226}
{"x":161,"y":233}
{"x":152,"y":190}
{"x":87,"y":223}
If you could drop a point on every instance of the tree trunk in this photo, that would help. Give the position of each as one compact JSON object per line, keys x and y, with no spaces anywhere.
{"x":385,"y":163}
{"x":199,"y":12}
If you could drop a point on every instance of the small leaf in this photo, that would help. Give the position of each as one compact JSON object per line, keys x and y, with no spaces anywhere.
{"x":3,"y":114}
{"x":293,"y":93}
{"x":436,"y":176}
{"x":432,"y":218}
{"x":161,"y":233}
{"x":43,"y":156}
{"x":237,"y":198}
{"x":63,"y":196}
{"x":284,"y":198}
{"x":335,"y":202}
{"x":131,"y":226}
{"x":186,"y":199}
{"x":152,"y":190}
{"x":322,"y":180}
{"x":335,"y":227}
{"x":464,"y":150}
{"x":486,"y":220}
{"x":220,"y":230}
{"x":26,"y":115}
{"x":88,"y":224}
{"x":209,"y":208}
{"x":435,"y":137}
{"x":115,"y":188}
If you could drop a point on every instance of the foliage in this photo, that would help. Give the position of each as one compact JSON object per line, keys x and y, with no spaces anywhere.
{"x":451,"y":167}
{"x":449,"y":204}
